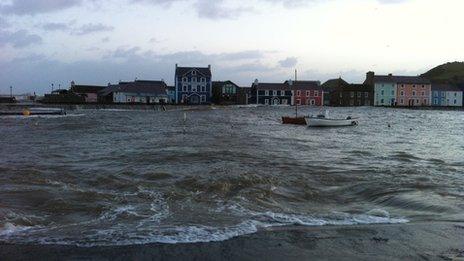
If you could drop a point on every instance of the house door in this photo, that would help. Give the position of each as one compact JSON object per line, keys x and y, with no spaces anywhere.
{"x":194,"y":99}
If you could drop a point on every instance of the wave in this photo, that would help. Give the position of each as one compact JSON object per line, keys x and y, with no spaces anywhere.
{"x":114,"y":236}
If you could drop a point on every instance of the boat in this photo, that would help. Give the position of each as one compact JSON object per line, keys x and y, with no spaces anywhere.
{"x":294,"y":120}
{"x":323,"y":121}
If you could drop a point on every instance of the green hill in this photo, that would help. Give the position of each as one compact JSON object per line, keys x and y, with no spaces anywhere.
{"x":452,"y":73}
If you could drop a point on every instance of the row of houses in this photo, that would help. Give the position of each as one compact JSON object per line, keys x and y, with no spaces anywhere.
{"x":195,"y":85}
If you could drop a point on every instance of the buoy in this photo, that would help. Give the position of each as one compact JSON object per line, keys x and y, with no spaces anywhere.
{"x":26,"y":112}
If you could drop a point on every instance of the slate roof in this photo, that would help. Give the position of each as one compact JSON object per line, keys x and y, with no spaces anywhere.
{"x":400,"y":79}
{"x":305,"y":85}
{"x":445,"y":87}
{"x":333,"y":84}
{"x":205,"y":71}
{"x":219,"y":84}
{"x":87,"y":88}
{"x":273,"y":86}
{"x":139,"y":86}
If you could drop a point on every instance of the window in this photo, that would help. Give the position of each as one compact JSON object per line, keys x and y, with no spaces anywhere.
{"x":413,"y":86}
{"x":184,"y":79}
{"x":455,"y":94}
{"x":402,"y":85}
{"x":278,"y":93}
{"x":316,"y":93}
{"x":381,"y":101}
{"x":352,"y":94}
{"x":366,"y":95}
{"x":393,"y":93}
{"x":425,"y":101}
{"x":435,"y":101}
{"x":261,"y":93}
{"x":423,"y":93}
{"x":359,"y":94}
{"x":193,"y":88}
{"x":308,"y":93}
{"x":402,"y":93}
{"x":423,"y":86}
{"x":274,"y":93}
{"x":203,"y":98}
{"x":298,"y":102}
{"x":413,"y":93}
{"x":298,"y":93}
{"x":401,"y":101}
{"x":128,"y":99}
{"x":194,"y":79}
{"x":266,"y":101}
{"x":184,"y":98}
{"x":284,"y":101}
{"x":382,"y":93}
{"x":184,"y":88}
{"x":282,"y":93}
{"x":455,"y":101}
{"x":194,"y":72}
{"x":203,"y":79}
{"x":266,"y":93}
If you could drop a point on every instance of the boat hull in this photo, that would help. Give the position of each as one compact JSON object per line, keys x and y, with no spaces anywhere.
{"x":294,"y":120}
{"x":322,"y":122}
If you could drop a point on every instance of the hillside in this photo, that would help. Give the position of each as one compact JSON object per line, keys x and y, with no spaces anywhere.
{"x":452,"y":73}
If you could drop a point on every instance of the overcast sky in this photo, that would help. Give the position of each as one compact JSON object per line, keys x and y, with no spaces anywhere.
{"x":101,"y":41}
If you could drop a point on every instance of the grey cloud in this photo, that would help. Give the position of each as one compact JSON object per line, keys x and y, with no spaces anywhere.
{"x":92,"y":28}
{"x":217,"y":10}
{"x":126,"y":63}
{"x":32,"y":7}
{"x":19,"y":39}
{"x":56,"y":27}
{"x":288,"y":62}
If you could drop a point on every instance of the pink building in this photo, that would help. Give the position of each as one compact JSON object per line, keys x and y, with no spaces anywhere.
{"x":413,"y":92}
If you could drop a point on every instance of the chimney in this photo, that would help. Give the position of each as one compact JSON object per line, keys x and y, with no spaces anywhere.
{"x":290,"y":82}
{"x":73,"y":83}
{"x":369,"y":78}
{"x":390,"y":74}
{"x":209,"y":66}
{"x":176,"y":65}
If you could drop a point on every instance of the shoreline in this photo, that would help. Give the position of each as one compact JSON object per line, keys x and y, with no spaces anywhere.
{"x":410,"y":241}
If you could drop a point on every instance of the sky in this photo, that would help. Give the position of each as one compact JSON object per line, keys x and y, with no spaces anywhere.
{"x":44,"y":42}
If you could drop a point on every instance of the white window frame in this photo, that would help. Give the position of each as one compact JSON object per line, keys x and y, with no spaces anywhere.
{"x":316,"y":93}
{"x":203,"y":98}
{"x":194,"y":72}
{"x":184,"y":79}
{"x":308,"y":93}
{"x":274,"y":93}
{"x":266,"y":101}
{"x":312,"y":102}
{"x":266,"y":93}
{"x":203,"y":88}
{"x":184,"y":88}
{"x":298,"y":93}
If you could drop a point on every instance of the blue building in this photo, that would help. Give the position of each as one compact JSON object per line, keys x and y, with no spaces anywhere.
{"x":446,"y":95}
{"x":193,"y":85}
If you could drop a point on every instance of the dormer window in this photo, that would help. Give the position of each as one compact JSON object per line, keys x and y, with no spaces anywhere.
{"x":203,"y":79}
{"x":194,"y":72}
{"x":184,"y":79}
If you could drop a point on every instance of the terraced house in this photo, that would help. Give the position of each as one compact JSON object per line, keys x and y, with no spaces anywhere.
{"x":446,"y":95}
{"x":193,"y":85}
{"x":271,"y":93}
{"x":408,"y":91}
{"x":306,"y":92}
{"x":384,"y":89}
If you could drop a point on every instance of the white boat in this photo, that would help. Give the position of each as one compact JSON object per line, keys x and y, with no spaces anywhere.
{"x":323,"y":121}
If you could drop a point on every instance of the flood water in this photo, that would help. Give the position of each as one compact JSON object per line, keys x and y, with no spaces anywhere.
{"x":111,"y":177}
